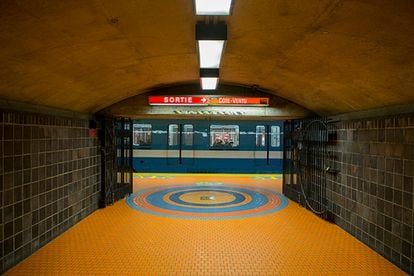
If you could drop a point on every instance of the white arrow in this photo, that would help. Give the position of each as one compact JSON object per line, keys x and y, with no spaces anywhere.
{"x":203,"y":100}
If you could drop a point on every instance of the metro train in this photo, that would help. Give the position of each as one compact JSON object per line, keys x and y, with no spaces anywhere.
{"x":207,"y":146}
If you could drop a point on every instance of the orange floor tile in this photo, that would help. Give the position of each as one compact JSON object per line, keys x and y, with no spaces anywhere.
{"x":120,"y":240}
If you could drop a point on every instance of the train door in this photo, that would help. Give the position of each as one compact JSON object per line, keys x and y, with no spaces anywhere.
{"x":180,"y":149}
{"x":261,"y":147}
{"x":267,"y":149}
{"x":187,"y":144}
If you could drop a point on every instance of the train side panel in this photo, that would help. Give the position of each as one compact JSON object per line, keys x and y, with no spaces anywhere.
{"x":202,"y":156}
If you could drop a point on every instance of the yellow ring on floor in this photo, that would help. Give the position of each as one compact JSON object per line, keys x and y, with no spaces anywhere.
{"x":166,"y":198}
{"x":217,"y":197}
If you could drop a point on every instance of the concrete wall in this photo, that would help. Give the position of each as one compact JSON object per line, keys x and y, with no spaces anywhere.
{"x":49,"y":180}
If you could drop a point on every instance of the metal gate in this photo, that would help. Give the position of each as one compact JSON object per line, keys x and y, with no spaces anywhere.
{"x":116,"y":159}
{"x":309,"y":159}
{"x":312,"y":167}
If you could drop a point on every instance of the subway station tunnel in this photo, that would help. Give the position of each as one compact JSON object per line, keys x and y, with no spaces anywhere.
{"x":109,"y":165}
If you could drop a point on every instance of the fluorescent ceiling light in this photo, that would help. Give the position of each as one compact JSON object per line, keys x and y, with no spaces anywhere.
{"x":209,"y":83}
{"x":213,"y":7}
{"x":210,"y":53}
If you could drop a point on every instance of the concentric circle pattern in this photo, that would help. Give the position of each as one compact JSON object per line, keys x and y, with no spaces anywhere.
{"x":207,"y":201}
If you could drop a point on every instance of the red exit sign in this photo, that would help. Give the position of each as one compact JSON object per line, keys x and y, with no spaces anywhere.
{"x":177,"y":100}
{"x":207,"y":100}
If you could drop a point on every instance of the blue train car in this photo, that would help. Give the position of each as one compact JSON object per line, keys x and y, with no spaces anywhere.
{"x":206,"y":146}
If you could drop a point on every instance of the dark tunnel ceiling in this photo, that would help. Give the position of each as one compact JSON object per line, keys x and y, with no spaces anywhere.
{"x":329,"y":56}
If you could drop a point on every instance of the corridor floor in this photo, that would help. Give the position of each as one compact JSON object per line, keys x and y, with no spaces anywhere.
{"x":274,"y":237}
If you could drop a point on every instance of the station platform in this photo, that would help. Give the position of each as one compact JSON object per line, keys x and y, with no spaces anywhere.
{"x":205,"y":224}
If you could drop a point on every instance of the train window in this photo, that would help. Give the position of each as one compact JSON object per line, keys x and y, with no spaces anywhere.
{"x":173,"y":135}
{"x":260,"y":136}
{"x":142,"y":134}
{"x":224,"y":135}
{"x":275,"y":136}
{"x":188,"y":135}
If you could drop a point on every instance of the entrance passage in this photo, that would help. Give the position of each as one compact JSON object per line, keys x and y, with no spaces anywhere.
{"x":207,"y":146}
{"x":291,"y":241}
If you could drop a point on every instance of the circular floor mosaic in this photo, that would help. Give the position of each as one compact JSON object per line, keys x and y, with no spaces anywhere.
{"x":207,"y":201}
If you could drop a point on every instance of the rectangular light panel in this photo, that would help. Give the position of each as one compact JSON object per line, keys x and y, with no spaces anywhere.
{"x":213,"y":7}
{"x":210,"y":53}
{"x":209,"y":83}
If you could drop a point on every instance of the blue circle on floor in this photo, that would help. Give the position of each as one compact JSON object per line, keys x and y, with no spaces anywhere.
{"x":243,"y":201}
{"x":157,"y":199}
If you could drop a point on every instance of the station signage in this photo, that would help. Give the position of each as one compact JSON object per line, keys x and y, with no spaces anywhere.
{"x":239,"y":101}
{"x":207,"y":100}
{"x":177,"y":100}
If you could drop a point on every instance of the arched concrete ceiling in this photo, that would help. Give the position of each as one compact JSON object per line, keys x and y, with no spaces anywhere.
{"x":330,"y":56}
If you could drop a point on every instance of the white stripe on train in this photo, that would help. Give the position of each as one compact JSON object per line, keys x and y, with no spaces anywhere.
{"x":222,"y":154}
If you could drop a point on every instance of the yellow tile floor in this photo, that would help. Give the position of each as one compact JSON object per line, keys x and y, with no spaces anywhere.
{"x":119,"y":240}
